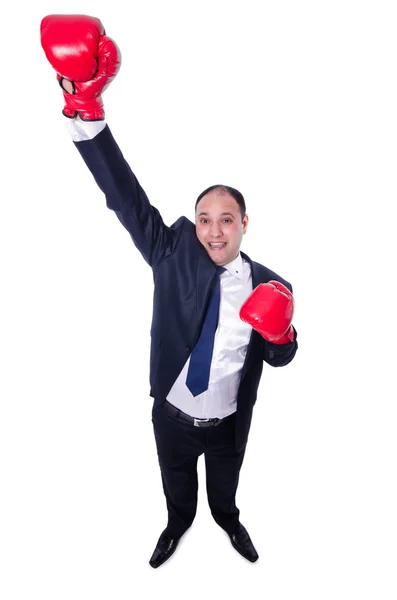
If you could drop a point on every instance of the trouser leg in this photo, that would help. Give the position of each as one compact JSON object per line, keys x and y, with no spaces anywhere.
{"x":223,"y":463}
{"x":178,"y":449}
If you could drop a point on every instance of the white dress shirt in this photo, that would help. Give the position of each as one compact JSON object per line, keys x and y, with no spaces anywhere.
{"x":230,"y":347}
{"x":231,"y":337}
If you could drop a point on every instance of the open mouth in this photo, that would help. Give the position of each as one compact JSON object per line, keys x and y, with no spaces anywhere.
{"x":217,"y":245}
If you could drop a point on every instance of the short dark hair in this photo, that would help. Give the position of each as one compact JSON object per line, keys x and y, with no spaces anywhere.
{"x":226,"y":189}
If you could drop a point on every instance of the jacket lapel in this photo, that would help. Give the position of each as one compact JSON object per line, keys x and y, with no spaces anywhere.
{"x":206,"y":272}
{"x":255,"y":343}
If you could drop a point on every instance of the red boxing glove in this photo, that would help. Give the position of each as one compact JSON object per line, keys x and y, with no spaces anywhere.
{"x":80,"y":52}
{"x":269,"y":310}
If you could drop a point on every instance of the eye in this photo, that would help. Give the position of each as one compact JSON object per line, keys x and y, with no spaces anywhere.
{"x":202,"y":220}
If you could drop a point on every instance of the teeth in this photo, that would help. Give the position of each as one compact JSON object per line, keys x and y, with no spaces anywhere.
{"x":219,"y":245}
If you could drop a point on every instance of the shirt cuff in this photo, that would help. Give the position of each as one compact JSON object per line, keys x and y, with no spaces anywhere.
{"x":84,"y":130}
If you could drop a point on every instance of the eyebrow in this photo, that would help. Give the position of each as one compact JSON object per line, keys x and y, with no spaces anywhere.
{"x":224,"y":213}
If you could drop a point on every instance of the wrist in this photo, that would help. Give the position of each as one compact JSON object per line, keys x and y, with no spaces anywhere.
{"x":87,"y":109}
{"x":287,"y":338}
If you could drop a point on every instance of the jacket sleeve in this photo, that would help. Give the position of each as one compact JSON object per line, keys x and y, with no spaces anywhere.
{"x":125,"y":196}
{"x":279,"y":355}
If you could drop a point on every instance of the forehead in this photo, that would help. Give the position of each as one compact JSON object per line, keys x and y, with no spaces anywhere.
{"x":216,"y":203}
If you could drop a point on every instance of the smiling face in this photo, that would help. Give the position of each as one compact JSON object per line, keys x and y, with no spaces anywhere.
{"x":219,"y":227}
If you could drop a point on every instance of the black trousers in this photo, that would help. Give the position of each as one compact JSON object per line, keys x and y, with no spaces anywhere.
{"x":179,"y":444}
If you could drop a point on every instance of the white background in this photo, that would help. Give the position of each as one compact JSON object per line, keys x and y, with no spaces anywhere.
{"x":293,"y":103}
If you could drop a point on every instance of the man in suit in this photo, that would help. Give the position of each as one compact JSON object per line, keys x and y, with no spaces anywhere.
{"x":216,"y":317}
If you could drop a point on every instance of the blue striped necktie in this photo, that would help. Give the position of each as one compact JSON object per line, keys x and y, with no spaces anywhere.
{"x":200,"y":359}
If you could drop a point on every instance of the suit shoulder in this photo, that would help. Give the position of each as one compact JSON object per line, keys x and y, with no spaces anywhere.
{"x":267,"y":275}
{"x":184,"y":223}
{"x":182,"y":231}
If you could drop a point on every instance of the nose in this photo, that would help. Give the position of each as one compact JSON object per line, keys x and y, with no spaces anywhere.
{"x":215,"y":230}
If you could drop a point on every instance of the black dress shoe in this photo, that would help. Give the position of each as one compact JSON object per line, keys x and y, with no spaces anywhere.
{"x":241,"y":541}
{"x":165,"y":548}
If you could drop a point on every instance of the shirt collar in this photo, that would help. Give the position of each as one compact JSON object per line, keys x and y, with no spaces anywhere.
{"x":235,"y":267}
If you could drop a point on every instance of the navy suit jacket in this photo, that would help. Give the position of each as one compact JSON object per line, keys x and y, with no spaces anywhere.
{"x":183,"y":275}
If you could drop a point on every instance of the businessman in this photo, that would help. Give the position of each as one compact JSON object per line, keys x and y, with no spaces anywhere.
{"x":217,"y":314}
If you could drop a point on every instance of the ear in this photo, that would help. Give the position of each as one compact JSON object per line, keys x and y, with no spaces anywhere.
{"x":245,"y":223}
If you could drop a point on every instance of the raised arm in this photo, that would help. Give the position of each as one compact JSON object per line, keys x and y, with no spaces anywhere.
{"x":86,"y":61}
{"x":126,"y":197}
